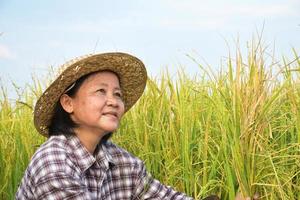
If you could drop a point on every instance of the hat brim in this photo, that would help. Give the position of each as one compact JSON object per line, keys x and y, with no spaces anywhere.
{"x":130,"y":70}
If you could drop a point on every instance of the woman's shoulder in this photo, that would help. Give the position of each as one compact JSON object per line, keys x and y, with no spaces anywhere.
{"x":54,"y":147}
{"x":50,"y":156}
{"x":121,"y":156}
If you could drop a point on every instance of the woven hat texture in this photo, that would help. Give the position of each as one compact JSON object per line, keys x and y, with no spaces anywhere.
{"x":130,"y":70}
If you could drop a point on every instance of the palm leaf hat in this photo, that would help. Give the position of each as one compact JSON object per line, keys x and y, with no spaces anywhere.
{"x":130,"y":70}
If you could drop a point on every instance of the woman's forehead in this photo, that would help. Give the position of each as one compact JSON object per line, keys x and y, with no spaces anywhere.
{"x":104,"y":78}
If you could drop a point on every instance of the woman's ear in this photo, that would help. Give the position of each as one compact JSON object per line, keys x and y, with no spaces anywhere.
{"x":67,"y":103}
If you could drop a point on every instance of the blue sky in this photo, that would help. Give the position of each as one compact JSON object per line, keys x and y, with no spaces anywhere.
{"x":38,"y":34}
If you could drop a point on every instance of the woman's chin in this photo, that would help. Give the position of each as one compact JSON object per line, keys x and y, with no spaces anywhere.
{"x":110,"y":129}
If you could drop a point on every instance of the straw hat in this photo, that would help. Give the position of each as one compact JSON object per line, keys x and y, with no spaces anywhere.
{"x":130,"y":70}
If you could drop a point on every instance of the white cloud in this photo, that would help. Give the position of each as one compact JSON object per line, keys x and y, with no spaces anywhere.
{"x":204,"y":14}
{"x":5,"y":52}
{"x":188,"y":15}
{"x":230,"y":8}
{"x":197,"y":23}
{"x":256,"y":10}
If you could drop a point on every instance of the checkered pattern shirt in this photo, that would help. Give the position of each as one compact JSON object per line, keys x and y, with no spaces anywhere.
{"x":62,"y":168}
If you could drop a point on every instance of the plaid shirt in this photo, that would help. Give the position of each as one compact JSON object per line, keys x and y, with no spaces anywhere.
{"x":62,"y":168}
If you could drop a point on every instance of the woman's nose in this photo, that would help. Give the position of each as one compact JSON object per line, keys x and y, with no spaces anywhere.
{"x":112,"y":101}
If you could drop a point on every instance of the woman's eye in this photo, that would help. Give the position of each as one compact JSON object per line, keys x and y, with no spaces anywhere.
{"x":118,"y":94}
{"x":101,"y":91}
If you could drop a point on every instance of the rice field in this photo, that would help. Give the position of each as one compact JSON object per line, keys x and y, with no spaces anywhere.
{"x":235,"y":130}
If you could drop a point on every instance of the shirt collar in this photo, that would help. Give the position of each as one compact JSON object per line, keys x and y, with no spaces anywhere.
{"x":107,"y":154}
{"x":84,"y":158}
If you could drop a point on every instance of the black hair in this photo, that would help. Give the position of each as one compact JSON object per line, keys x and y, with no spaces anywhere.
{"x":61,"y":122}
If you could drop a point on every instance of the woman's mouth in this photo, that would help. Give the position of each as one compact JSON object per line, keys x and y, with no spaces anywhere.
{"x":111,"y":114}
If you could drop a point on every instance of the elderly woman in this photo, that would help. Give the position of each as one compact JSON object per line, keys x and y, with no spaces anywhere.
{"x":78,"y":113}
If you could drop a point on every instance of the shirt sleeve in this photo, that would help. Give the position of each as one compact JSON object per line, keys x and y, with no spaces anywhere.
{"x":25,"y":188}
{"x":55,"y":186}
{"x":148,"y":188}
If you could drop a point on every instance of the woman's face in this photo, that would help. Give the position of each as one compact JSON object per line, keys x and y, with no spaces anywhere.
{"x":97,"y":107}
